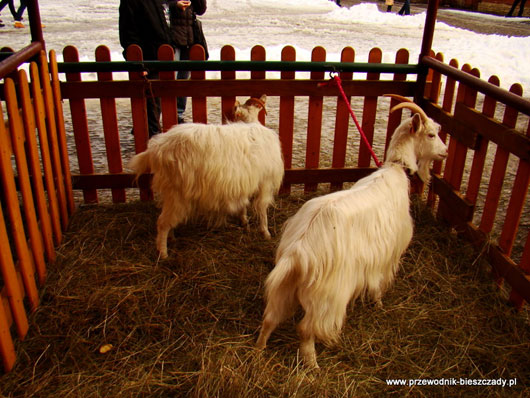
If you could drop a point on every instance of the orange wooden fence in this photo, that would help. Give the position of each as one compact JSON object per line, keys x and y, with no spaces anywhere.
{"x":36,"y":193}
{"x":480,"y":190}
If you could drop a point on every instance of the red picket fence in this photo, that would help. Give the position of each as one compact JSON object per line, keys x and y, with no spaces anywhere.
{"x":480,"y":190}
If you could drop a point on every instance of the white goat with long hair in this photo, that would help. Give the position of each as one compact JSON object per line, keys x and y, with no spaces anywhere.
{"x":349,"y":243}
{"x":212,"y":171}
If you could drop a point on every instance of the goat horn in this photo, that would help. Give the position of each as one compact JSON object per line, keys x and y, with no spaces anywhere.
{"x":398,"y":97}
{"x":413,"y":107}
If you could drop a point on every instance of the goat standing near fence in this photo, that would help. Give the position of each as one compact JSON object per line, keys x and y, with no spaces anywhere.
{"x":211,"y":171}
{"x":349,"y":243}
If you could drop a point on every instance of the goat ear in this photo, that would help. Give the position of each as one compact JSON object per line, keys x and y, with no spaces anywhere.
{"x":263,"y":98}
{"x":415,"y":124}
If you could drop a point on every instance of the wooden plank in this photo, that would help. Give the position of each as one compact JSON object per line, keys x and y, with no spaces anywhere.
{"x":506,"y":137}
{"x":314,"y":120}
{"x":45,"y":232}
{"x":168,"y":102}
{"x":61,"y":131}
{"x":394,"y":118}
{"x":139,"y":112}
{"x":342,"y":120}
{"x":292,"y":176}
{"x":228,"y":53}
{"x":80,"y":127}
{"x":461,"y":209}
{"x":46,"y":158}
{"x":198,"y":102}
{"x":369,"y":112}
{"x":240,"y":87}
{"x":53,"y":138}
{"x":516,"y":204}
{"x":498,"y":172}
{"x":18,"y":138}
{"x":258,"y":53}
{"x":447,"y":104}
{"x":479,"y":157}
{"x":13,"y":207}
{"x":7,"y":347}
{"x":286,"y":122}
{"x":110,"y":126}
{"x":14,"y":292}
{"x":469,"y":98}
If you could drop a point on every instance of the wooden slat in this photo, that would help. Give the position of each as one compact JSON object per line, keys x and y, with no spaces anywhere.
{"x":468,"y":96}
{"x":25,"y":260}
{"x":198,"y":102}
{"x":139,"y":112}
{"x":447,"y":104}
{"x":516,"y":204}
{"x":45,"y":232}
{"x":479,"y":157}
{"x":314,"y":120}
{"x":516,"y":295}
{"x":18,"y":141}
{"x":168,"y":103}
{"x":228,"y":53}
{"x":369,"y":112}
{"x":286,"y":122}
{"x":53,"y":138}
{"x":80,"y":126}
{"x":498,"y":171}
{"x":61,"y":131}
{"x":7,"y":347}
{"x":14,"y":291}
{"x":342,"y":120}
{"x":110,"y":126}
{"x":394,"y":118}
{"x":258,"y":53}
{"x":46,"y":158}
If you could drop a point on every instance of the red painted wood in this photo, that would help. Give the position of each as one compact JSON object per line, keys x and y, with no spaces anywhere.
{"x":168,"y":103}
{"x":46,"y":157}
{"x":7,"y":347}
{"x":28,"y":116}
{"x":342,"y":120}
{"x":7,"y":266}
{"x":286,"y":123}
{"x":479,"y":158}
{"x":498,"y":171}
{"x":110,"y":126}
{"x":198,"y":102}
{"x":258,"y":53}
{"x":80,"y":127}
{"x":314,"y":120}
{"x":61,"y":129}
{"x":369,"y":112}
{"x":228,"y":53}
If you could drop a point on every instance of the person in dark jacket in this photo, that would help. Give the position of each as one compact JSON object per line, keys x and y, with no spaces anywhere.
{"x":142,"y":22}
{"x":181,"y":15}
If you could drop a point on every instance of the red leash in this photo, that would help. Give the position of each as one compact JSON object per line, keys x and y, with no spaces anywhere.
{"x":338,"y":82}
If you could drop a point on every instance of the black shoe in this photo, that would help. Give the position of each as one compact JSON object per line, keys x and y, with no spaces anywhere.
{"x":181,"y":120}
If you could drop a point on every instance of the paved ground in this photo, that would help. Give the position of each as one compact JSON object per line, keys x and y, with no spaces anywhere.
{"x":467,"y":20}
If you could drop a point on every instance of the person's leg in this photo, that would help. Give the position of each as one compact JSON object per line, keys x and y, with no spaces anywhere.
{"x":153,"y":109}
{"x":182,"y":54}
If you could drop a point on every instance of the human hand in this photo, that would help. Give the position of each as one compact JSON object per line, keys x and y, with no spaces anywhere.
{"x":183,"y":4}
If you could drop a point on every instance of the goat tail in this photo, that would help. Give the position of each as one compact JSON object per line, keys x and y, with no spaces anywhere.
{"x":140,"y":164}
{"x":281,"y":289}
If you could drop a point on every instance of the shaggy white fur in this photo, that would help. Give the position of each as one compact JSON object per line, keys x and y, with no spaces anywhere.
{"x":341,"y":246}
{"x":212,"y":171}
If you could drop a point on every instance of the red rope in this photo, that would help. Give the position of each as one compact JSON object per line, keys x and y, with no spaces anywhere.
{"x":338,"y":82}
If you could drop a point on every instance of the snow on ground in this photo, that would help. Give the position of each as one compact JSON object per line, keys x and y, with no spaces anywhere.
{"x":302,"y":24}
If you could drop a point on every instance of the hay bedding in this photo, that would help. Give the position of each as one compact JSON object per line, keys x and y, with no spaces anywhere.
{"x":186,"y":326}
